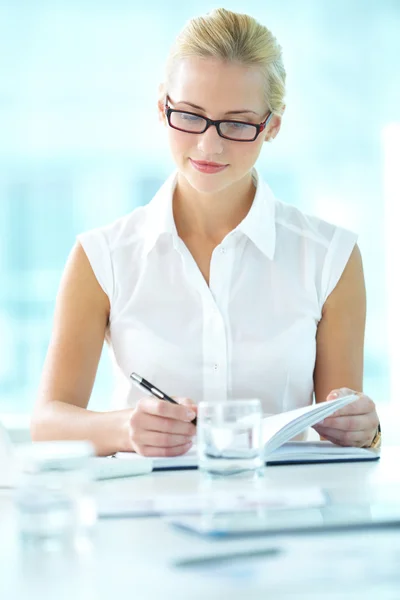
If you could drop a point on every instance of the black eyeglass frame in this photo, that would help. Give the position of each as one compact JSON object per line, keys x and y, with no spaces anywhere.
{"x":260,"y":127}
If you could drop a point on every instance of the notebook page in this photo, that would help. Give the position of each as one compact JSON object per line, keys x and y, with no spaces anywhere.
{"x":280,"y":428}
{"x":306,"y":419}
{"x":298,"y":425}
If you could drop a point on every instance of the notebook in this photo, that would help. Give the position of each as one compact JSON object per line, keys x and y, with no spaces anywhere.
{"x":277,"y":431}
{"x":290,"y":453}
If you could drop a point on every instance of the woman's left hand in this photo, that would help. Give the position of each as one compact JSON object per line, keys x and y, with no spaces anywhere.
{"x":354,"y":425}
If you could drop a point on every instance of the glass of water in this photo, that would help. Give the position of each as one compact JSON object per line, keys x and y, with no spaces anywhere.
{"x":229,"y":440}
{"x":56,"y":508}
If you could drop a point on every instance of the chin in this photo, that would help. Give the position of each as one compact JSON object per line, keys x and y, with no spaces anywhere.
{"x":207,"y":184}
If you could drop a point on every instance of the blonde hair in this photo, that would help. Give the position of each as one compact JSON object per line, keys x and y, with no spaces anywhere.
{"x":234,"y":37}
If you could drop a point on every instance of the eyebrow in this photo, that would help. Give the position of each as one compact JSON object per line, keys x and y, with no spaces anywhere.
{"x":230,"y":112}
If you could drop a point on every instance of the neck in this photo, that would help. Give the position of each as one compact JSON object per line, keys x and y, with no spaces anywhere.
{"x":211,"y":216}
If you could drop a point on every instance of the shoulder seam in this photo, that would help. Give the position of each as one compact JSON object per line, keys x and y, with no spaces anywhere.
{"x":304,"y":233}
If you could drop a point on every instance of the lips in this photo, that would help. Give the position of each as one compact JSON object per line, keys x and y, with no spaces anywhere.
{"x":206,"y":163}
{"x":206,"y":166}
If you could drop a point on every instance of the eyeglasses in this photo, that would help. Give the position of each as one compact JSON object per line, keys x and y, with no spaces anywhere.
{"x":237,"y":131}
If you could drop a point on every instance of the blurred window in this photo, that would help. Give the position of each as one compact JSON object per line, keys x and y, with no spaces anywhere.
{"x":73,"y":155}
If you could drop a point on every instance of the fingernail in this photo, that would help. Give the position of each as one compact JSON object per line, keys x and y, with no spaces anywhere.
{"x":190,"y":415}
{"x":333,"y":395}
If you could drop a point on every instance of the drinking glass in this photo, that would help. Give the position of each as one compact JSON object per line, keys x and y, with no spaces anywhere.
{"x":55,"y":505}
{"x":229,"y":440}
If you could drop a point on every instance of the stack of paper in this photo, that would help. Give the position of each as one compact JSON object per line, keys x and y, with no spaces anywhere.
{"x":281,"y":428}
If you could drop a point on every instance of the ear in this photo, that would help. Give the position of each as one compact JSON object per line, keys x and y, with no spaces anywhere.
{"x":274,"y":126}
{"x":160,"y":103}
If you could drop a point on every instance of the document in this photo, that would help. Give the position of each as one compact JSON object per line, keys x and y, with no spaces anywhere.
{"x":210,"y":502}
{"x":307,"y":519}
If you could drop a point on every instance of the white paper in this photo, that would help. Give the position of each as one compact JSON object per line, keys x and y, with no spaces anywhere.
{"x":281,"y":428}
{"x":200,"y":503}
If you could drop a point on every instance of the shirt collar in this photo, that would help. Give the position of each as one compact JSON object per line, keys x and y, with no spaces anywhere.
{"x":159,"y":215}
{"x":258,"y":225}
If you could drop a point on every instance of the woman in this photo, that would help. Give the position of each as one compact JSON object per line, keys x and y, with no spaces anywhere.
{"x":215,"y":289}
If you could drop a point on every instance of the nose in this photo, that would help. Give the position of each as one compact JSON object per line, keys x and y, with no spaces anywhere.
{"x":209,"y":142}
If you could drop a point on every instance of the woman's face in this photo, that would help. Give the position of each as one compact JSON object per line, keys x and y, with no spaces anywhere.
{"x":217,"y":88}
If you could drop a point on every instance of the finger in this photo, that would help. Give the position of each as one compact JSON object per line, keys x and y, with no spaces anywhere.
{"x":156,"y":423}
{"x":163,"y":440}
{"x":187,"y":402}
{"x":155,"y":451}
{"x":340,"y":392}
{"x":348,"y":438}
{"x":338,"y":442}
{"x":163,"y":408}
{"x":362,"y":406}
{"x":350,"y":422}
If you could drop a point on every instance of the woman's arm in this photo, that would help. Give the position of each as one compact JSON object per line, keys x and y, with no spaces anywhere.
{"x":340,"y":357}
{"x":80,"y":321}
{"x":340,"y":334}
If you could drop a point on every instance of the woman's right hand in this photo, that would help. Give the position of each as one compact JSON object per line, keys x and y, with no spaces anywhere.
{"x":160,"y":428}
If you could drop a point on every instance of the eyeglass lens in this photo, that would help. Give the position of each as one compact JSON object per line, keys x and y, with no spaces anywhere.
{"x":195,"y":124}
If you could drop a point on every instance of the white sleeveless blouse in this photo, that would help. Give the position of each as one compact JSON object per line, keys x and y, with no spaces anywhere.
{"x":250,"y":334}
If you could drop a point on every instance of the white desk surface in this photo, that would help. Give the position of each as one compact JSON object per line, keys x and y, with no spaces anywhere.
{"x":132,"y":558}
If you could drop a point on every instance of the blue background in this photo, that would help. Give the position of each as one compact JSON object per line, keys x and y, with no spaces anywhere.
{"x":81,"y":145}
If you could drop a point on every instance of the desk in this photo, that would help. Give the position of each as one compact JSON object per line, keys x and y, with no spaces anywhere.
{"x":132,"y":558}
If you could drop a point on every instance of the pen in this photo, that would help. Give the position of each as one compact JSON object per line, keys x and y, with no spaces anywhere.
{"x":211,"y":559}
{"x":149,"y":387}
